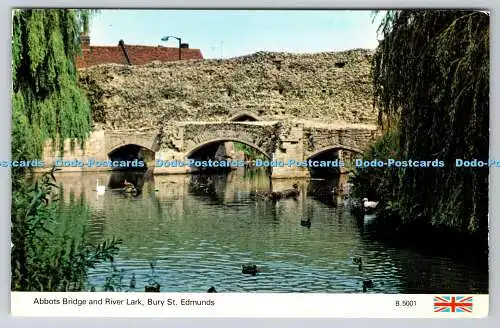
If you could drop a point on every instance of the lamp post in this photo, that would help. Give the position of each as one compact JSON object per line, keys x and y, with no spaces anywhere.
{"x":165,"y":38}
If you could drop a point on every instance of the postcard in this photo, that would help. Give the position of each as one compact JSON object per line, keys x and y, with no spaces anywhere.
{"x":250,"y":163}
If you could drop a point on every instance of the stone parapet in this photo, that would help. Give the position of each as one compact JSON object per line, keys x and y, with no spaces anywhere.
{"x":278,"y":141}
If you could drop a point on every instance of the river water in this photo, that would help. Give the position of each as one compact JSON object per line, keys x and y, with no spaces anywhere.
{"x":191,"y":232}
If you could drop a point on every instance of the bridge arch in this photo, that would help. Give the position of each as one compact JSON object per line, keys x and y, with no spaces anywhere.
{"x":120,"y":146}
{"x":117,"y":140}
{"x":333,"y":147}
{"x":244,"y":116}
{"x":191,"y":151}
{"x":132,"y":152}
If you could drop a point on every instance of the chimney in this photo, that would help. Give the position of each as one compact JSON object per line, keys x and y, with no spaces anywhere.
{"x":84,"y":41}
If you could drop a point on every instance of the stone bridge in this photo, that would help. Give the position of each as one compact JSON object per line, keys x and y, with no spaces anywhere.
{"x":116,"y":140}
{"x":287,"y":106}
{"x":277,"y":140}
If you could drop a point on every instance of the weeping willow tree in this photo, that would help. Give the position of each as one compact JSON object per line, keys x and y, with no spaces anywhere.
{"x":47,"y":103}
{"x":431,"y":86}
{"x":50,"y":251}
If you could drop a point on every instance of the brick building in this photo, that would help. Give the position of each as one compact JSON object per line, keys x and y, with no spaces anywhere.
{"x":131,"y":54}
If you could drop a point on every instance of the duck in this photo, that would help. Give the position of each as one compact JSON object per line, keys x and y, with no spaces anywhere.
{"x":289,"y":193}
{"x":367,"y":283}
{"x":100,"y":189}
{"x":275,"y":196}
{"x":369,"y":205}
{"x":129,"y":190}
{"x":250,"y":269}
{"x":154,"y":288}
{"x":258,"y":195}
{"x":129,"y":187}
{"x":107,"y":285}
{"x":211,"y":290}
{"x":132,"y":281}
{"x":358,"y":260}
{"x":306,"y":223}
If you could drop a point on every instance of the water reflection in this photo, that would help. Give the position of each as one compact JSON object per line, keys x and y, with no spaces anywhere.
{"x":200,"y":229}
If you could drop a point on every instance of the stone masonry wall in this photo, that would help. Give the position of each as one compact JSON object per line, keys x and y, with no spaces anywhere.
{"x":261,"y":136}
{"x":354,"y":139}
{"x":95,"y":148}
{"x":323,"y":87}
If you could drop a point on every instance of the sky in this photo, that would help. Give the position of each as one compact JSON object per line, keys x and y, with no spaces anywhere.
{"x":231,"y":33}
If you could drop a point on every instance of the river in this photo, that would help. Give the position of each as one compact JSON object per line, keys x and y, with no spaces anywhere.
{"x":191,"y":232}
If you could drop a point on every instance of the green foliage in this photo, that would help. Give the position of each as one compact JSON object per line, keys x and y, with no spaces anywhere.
{"x":250,"y":152}
{"x":46,"y":101}
{"x":51,"y":251}
{"x":374,"y":182}
{"x":431,"y":83}
{"x":114,"y":280}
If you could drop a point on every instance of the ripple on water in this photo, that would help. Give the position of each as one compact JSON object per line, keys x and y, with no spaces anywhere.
{"x":197,"y":242}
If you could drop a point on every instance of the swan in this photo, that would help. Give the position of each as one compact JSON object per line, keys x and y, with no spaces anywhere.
{"x":369,"y":205}
{"x":100,"y":188}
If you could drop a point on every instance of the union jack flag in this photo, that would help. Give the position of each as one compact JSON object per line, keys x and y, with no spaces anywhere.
{"x":453,"y":303}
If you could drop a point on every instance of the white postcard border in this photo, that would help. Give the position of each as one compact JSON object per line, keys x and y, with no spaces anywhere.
{"x":239,"y":305}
